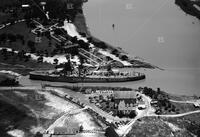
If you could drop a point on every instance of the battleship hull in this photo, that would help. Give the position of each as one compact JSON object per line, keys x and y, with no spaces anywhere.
{"x":73,"y":79}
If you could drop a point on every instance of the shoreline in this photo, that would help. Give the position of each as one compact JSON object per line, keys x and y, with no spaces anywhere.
{"x":143,"y":63}
{"x":188,"y":6}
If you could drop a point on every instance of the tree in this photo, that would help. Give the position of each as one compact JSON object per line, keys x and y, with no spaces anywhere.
{"x":90,"y":39}
{"x":58,"y":31}
{"x":132,"y":114}
{"x":81,"y":129}
{"x":115,"y":51}
{"x":32,"y":25}
{"x":48,"y":34}
{"x":83,"y":34}
{"x":3,"y":37}
{"x":110,"y":132}
{"x":67,"y":68}
{"x":74,"y":39}
{"x":20,"y":37}
{"x":120,"y":114}
{"x":38,"y":134}
{"x":124,"y":57}
{"x":11,"y":37}
{"x":12,"y":52}
{"x":85,"y":46}
{"x":4,"y":51}
{"x":55,"y":61}
{"x":40,"y":59}
{"x":49,"y":43}
{"x":31,"y":45}
{"x":27,"y":58}
{"x":101,"y":45}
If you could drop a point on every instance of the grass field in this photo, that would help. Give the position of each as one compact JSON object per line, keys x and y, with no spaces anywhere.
{"x":25,"y":110}
{"x":155,"y":127}
{"x":21,"y":28}
{"x":190,"y":123}
{"x":4,"y":17}
{"x":8,"y":2}
{"x":14,"y":116}
{"x":184,"y":107}
{"x":13,"y":63}
{"x":8,"y":80}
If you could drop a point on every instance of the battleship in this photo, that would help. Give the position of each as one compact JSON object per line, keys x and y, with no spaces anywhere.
{"x":92,"y":77}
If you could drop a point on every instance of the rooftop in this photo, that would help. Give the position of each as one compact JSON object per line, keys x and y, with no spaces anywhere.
{"x":125,"y":94}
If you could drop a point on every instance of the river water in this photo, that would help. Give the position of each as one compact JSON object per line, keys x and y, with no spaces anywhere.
{"x":156,"y":30}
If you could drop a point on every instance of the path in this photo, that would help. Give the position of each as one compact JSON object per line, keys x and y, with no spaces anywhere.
{"x":29,"y":108}
{"x":177,"y":115}
{"x":21,"y":88}
{"x":62,"y":119}
{"x":35,"y":113}
{"x":83,"y":99}
{"x":194,"y":102}
{"x":124,"y":130}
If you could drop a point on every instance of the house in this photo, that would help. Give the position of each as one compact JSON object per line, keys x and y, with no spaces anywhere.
{"x":104,"y":92}
{"x":197,"y":103}
{"x":97,"y":93}
{"x":125,"y":101}
{"x":25,"y":6}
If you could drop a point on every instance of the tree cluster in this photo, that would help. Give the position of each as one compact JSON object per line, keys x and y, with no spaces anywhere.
{"x":21,"y":55}
{"x":9,"y":82}
{"x":4,"y":37}
{"x":132,"y":114}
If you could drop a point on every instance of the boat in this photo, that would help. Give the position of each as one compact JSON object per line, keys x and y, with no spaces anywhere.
{"x":93,"y":77}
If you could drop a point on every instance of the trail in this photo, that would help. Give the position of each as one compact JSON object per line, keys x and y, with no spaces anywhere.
{"x":36,"y":115}
{"x":177,"y":115}
{"x":187,"y":101}
{"x":124,"y":130}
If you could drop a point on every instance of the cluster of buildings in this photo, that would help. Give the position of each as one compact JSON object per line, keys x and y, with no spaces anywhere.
{"x":125,"y":101}
{"x":117,"y":101}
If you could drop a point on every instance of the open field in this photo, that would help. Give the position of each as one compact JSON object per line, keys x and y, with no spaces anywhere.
{"x":25,"y":110}
{"x":149,"y":127}
{"x":14,"y":63}
{"x":22,"y":29}
{"x":15,"y":116}
{"x":190,"y":123}
{"x":8,"y":80}
{"x":39,"y":110}
{"x":4,"y":17}
{"x":182,"y":97}
{"x":8,"y":2}
{"x":184,"y":107}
